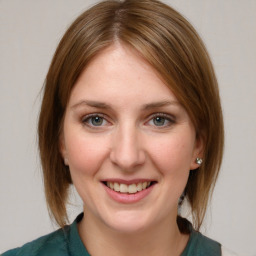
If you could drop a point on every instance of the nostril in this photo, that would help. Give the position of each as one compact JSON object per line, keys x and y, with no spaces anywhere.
{"x":129,"y":161}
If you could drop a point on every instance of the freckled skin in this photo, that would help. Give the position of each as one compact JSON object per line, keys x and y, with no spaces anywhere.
{"x":128,"y":144}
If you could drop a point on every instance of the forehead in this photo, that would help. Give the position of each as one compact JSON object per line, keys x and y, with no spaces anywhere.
{"x":120,"y":73}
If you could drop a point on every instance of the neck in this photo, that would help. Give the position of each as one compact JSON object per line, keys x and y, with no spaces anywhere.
{"x":161,"y":239}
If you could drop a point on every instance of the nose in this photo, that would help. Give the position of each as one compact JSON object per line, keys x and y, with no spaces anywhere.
{"x":127,"y":150}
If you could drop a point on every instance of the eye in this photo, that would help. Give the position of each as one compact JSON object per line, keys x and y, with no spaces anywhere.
{"x":161,"y":120}
{"x":94,"y":120}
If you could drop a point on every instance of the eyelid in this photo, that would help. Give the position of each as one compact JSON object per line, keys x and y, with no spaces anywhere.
{"x":88,"y":116}
{"x":168,"y":117}
{"x":84,"y":117}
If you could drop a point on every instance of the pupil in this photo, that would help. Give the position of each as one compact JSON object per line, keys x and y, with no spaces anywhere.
{"x":97,"y":120}
{"x":159,"y":121}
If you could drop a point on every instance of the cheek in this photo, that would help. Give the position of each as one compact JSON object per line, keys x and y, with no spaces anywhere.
{"x":85,"y":154}
{"x":172,"y":155}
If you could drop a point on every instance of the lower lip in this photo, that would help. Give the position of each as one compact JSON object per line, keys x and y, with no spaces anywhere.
{"x":126,"y":198}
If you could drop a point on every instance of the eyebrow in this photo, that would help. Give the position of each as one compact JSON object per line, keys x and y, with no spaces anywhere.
{"x":102,"y":105}
{"x":159,"y":104}
{"x":91,"y":103}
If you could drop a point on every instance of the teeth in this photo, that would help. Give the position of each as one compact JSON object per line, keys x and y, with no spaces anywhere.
{"x":123,"y":188}
{"x":130,"y":189}
{"x":139,"y":186}
{"x":116,"y":187}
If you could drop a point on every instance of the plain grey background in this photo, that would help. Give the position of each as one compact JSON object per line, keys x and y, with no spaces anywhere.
{"x":29,"y":33}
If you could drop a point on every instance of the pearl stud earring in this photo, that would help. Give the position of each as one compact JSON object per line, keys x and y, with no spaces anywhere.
{"x":199,"y":161}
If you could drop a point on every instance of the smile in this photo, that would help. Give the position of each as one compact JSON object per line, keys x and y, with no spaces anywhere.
{"x":130,"y":189}
{"x":128,"y":192}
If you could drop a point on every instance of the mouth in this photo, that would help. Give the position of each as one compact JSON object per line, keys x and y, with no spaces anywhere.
{"x":131,"y":188}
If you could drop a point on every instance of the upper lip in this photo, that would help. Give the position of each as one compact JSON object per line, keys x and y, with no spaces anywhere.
{"x":128,"y":182}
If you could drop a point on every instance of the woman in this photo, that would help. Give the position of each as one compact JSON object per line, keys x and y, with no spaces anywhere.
{"x":131,"y":117}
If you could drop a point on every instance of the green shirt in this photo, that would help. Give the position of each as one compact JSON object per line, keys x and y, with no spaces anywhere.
{"x":67,"y":242}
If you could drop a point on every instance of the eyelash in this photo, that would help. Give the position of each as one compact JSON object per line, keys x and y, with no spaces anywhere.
{"x":170,"y":119}
{"x":88,"y":118}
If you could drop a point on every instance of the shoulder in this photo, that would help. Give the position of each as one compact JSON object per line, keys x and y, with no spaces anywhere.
{"x":199,"y":244}
{"x":52,"y":244}
{"x":206,"y":245}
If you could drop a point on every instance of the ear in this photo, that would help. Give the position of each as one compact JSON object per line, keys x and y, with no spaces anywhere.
{"x":63,"y":150}
{"x":198,"y":151}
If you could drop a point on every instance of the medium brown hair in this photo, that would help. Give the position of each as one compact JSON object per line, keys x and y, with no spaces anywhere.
{"x":174,"y":49}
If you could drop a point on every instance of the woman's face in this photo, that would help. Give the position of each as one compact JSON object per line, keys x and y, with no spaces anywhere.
{"x":128,"y":142}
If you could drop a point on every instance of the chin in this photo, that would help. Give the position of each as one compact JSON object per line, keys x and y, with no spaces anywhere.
{"x":127,"y":222}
